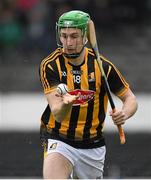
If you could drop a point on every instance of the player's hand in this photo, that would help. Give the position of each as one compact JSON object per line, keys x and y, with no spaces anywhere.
{"x":118,"y":117}
{"x":68,"y":98}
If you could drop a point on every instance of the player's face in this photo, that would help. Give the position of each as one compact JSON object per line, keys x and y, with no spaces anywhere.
{"x":72,"y":40}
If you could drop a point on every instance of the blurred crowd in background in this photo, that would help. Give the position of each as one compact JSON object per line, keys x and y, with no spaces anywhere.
{"x":27,"y":25}
{"x":27,"y":28}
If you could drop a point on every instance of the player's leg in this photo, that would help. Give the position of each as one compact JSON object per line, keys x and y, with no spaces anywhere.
{"x":56,"y":166}
{"x":58,"y":160}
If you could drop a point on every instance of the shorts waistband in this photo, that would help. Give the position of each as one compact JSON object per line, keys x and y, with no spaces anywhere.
{"x":83,"y":144}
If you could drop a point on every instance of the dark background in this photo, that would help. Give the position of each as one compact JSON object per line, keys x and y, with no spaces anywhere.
{"x":27,"y":34}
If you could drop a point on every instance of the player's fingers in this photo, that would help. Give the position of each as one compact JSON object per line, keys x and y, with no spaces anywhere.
{"x":119,"y":116}
{"x":114,"y":113}
{"x":69,"y":99}
{"x":78,"y":95}
{"x":119,"y":120}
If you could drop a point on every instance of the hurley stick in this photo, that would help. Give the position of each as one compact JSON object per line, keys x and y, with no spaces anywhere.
{"x":93,"y":43}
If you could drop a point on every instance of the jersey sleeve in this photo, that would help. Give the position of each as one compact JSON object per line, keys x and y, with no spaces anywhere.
{"x":49,"y":77}
{"x":117,"y":83}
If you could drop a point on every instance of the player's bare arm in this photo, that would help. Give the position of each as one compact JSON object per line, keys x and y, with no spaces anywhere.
{"x":128,"y":109}
{"x":60,"y":105}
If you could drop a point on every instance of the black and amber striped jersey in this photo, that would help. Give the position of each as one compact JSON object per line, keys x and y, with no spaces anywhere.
{"x":82,"y":127}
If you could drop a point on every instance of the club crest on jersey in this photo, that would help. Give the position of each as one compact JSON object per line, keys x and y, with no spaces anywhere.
{"x":85,"y":96}
{"x":91,"y":77}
